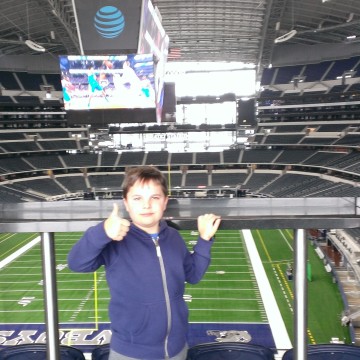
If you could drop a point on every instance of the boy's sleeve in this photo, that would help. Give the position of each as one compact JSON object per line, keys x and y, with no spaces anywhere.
{"x":197,"y":263}
{"x":87,"y":254}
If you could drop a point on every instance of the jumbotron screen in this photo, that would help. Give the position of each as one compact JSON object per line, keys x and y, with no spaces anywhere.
{"x":108,"y":81}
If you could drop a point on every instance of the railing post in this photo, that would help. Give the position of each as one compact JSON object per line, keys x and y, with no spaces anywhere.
{"x":50,"y":296}
{"x":300,"y":300}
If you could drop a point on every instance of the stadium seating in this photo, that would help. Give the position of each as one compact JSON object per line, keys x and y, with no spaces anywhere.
{"x":229,"y":351}
{"x":157,"y":158}
{"x":258,"y":180}
{"x":132,"y":158}
{"x":328,"y":352}
{"x":319,"y":140}
{"x":13,"y":165}
{"x":31,"y":82}
{"x":101,"y":352}
{"x":197,"y":179}
{"x":209,"y":351}
{"x":341,"y":67}
{"x":38,"y":352}
{"x":109,"y":158}
{"x":315,"y":72}
{"x":285,"y":74}
{"x":207,"y":157}
{"x":108,"y":180}
{"x":181,"y":158}
{"x":294,"y":156}
{"x":8,"y":81}
{"x":228,"y":178}
{"x":231,"y":156}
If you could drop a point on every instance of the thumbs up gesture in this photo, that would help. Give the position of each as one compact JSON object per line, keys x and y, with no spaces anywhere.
{"x":208,"y":225}
{"x":116,"y":227}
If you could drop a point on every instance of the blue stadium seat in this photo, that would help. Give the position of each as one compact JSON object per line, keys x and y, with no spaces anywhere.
{"x":101,"y":352}
{"x":38,"y":352}
{"x":229,"y":351}
{"x":328,"y":352}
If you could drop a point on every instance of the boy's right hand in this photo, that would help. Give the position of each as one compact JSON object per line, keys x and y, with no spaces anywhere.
{"x":116,"y":227}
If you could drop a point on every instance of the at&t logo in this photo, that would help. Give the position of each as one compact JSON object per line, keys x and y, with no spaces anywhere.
{"x":109,"y":22}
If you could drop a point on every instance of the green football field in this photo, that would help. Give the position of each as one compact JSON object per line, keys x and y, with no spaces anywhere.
{"x":228,"y":293}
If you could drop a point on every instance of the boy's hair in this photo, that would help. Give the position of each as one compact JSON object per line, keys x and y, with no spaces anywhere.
{"x":144,"y":174}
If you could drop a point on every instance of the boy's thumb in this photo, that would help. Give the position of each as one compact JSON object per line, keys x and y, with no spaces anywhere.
{"x":115,"y":211}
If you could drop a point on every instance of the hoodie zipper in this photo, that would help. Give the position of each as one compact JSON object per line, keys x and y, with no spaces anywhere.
{"x":166,"y":293}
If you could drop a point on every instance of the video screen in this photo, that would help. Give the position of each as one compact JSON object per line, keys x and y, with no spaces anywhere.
{"x":108,"y":81}
{"x":153,"y":39}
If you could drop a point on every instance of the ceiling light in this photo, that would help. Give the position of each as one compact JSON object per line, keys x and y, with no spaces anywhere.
{"x":351,"y":16}
{"x":285,"y":37}
{"x":34,"y":46}
{"x":347,"y":74}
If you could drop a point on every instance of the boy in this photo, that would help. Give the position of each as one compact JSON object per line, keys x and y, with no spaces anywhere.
{"x":147,"y":264}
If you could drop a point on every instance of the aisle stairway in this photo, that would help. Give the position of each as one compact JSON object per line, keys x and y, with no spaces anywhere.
{"x":351,"y":288}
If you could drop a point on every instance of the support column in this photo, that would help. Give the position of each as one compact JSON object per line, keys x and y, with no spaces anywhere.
{"x":50,"y":296}
{"x":300,"y":301}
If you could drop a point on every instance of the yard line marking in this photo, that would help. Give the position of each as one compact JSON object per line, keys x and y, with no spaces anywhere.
{"x":19,"y":290}
{"x":20,"y":282}
{"x":26,"y":267}
{"x":71,"y":282}
{"x":36,"y":281}
{"x":20,"y":261}
{"x":82,"y":302}
{"x":222,"y":299}
{"x":276,"y":322}
{"x":91,"y":292}
{"x":22,"y":274}
{"x":229,"y":272}
{"x":42,"y":310}
{"x":229,"y":310}
{"x":227,"y":322}
{"x":232,"y":252}
{"x":19,"y":252}
{"x":228,"y":258}
{"x":225,"y":280}
{"x":230,"y":265}
{"x":7,"y":237}
{"x":222,"y":288}
{"x":286,"y":240}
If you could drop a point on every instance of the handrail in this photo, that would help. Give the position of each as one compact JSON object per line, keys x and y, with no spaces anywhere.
{"x":237,"y":213}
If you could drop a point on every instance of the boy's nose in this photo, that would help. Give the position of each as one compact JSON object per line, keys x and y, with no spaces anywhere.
{"x":146,"y":204}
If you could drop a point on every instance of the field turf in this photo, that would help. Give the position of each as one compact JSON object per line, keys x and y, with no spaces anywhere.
{"x":228,"y":294}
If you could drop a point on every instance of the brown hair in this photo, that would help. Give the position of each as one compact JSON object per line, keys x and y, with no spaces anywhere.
{"x":144,"y":174}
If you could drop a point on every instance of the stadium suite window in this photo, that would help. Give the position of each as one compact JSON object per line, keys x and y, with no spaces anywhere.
{"x":202,"y":79}
{"x":197,"y":114}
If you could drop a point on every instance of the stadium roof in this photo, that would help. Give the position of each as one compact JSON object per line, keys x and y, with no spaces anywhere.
{"x":261,"y":32}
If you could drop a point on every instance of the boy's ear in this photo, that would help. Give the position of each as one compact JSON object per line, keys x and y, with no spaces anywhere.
{"x":166,"y":201}
{"x":126,"y":205}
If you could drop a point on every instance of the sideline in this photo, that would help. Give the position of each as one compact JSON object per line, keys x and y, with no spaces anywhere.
{"x":19,"y":252}
{"x":276,"y":322}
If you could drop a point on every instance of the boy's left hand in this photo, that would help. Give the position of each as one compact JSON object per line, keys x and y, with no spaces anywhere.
{"x":208,"y":225}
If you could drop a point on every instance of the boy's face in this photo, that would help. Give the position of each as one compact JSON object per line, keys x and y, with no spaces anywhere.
{"x":146,"y":203}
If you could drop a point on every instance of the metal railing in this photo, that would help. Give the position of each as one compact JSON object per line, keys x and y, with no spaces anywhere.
{"x":298,"y":214}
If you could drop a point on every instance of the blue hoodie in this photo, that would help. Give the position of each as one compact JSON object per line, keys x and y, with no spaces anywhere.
{"x":149,"y":317}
